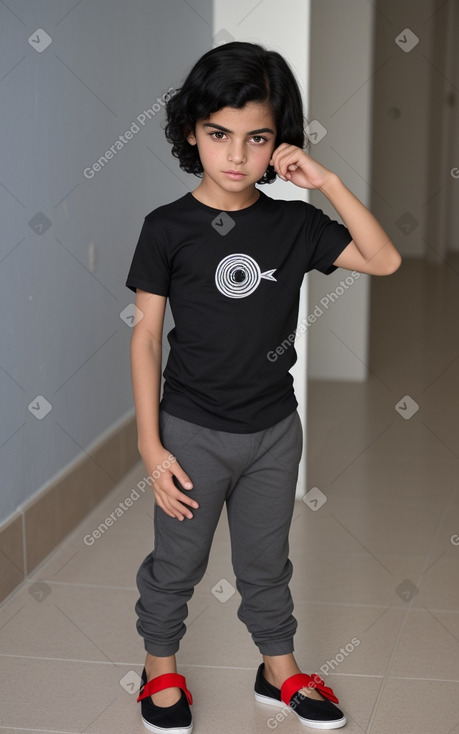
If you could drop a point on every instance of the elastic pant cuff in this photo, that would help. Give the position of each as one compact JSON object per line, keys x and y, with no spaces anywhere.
{"x":276,"y":648}
{"x":161,"y":651}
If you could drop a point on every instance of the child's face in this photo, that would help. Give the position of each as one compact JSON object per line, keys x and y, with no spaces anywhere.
{"x":244,"y":145}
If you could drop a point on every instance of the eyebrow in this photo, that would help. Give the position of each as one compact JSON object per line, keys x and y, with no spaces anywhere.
{"x":225,"y":129}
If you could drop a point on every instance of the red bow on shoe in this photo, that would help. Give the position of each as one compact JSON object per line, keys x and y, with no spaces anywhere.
{"x":167,"y":680}
{"x":293,"y":684}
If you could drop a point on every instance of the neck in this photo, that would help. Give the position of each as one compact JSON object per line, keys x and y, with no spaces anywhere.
{"x":226,"y":201}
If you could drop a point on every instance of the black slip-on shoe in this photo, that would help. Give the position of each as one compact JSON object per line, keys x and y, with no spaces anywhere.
{"x":175,"y":719}
{"x":312,"y":713}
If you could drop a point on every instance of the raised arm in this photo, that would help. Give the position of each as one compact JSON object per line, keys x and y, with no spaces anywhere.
{"x":371,"y":250}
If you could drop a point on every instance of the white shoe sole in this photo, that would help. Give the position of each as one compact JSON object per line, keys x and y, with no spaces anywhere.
{"x":167,"y":730}
{"x":337,"y":724}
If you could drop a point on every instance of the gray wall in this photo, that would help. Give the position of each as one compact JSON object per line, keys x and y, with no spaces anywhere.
{"x":68,"y":239}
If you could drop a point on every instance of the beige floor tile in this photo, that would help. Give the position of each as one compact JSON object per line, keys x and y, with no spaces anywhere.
{"x":418,"y":707}
{"x":346,"y":639}
{"x":445,"y":545}
{"x":428,"y":646}
{"x":215,"y":635}
{"x":438,"y":586}
{"x":112,"y":559}
{"x":71,"y":622}
{"x":405,"y":462}
{"x":67,"y":696}
{"x":382,"y":526}
{"x":319,"y":536}
{"x":354,"y":577}
{"x":386,"y":527}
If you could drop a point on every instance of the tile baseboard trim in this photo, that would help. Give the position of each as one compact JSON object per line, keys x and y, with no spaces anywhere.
{"x":43,"y":522}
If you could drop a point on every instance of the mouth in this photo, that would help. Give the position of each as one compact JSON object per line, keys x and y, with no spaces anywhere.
{"x":235,"y":174}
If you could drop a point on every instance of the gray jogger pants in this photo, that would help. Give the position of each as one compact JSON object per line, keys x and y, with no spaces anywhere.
{"x":256,"y":475}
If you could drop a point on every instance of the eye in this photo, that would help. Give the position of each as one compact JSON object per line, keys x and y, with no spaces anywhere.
{"x":259,"y":139}
{"x":218,"y":132}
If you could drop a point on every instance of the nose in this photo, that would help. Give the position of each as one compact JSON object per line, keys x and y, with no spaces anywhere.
{"x":236,"y":152}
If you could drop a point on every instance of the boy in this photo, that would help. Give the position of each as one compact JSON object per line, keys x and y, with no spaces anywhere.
{"x":231,"y":260}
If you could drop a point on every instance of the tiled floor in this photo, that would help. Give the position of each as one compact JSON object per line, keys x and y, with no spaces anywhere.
{"x":376,"y":569}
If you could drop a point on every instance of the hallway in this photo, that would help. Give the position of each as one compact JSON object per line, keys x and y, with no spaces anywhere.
{"x":375,"y":555}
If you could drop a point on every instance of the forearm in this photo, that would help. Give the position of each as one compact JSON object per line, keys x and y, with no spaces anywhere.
{"x":369,"y":237}
{"x":146,"y":381}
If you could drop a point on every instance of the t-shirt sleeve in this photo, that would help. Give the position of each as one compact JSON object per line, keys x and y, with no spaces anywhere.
{"x":326,"y":239}
{"x":150,"y":266}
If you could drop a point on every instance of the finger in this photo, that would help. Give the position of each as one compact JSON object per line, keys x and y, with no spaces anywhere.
{"x":280,"y":147}
{"x":180,"y":511}
{"x":285,"y":163}
{"x":183,"y":478}
{"x":178,"y":515}
{"x":183,"y":485}
{"x":187,"y":500}
{"x":284,"y":150}
{"x":277,"y":154}
{"x":172,"y":510}
{"x":277,"y":164}
{"x":163,"y":507}
{"x":178,"y":502}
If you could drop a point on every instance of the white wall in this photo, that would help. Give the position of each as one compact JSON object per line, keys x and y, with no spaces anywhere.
{"x":340,"y":99}
{"x":271,"y":25}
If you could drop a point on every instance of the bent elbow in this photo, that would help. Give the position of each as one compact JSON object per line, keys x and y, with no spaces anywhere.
{"x":392,"y":265}
{"x":396,"y":264}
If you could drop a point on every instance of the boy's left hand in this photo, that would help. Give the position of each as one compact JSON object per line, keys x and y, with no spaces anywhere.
{"x":293,"y":164}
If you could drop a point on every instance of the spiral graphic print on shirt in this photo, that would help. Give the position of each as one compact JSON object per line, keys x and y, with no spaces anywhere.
{"x":239,"y":275}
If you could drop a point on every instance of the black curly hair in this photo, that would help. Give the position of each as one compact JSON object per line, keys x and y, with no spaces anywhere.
{"x":230,"y":76}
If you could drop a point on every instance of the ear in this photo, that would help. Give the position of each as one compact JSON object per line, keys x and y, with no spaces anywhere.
{"x":191,"y":138}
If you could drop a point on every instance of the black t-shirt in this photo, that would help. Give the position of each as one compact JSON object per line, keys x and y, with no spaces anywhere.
{"x":233,"y":281}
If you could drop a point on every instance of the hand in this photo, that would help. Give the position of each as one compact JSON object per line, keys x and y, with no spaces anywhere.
{"x":167,"y":495}
{"x":293,"y":164}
